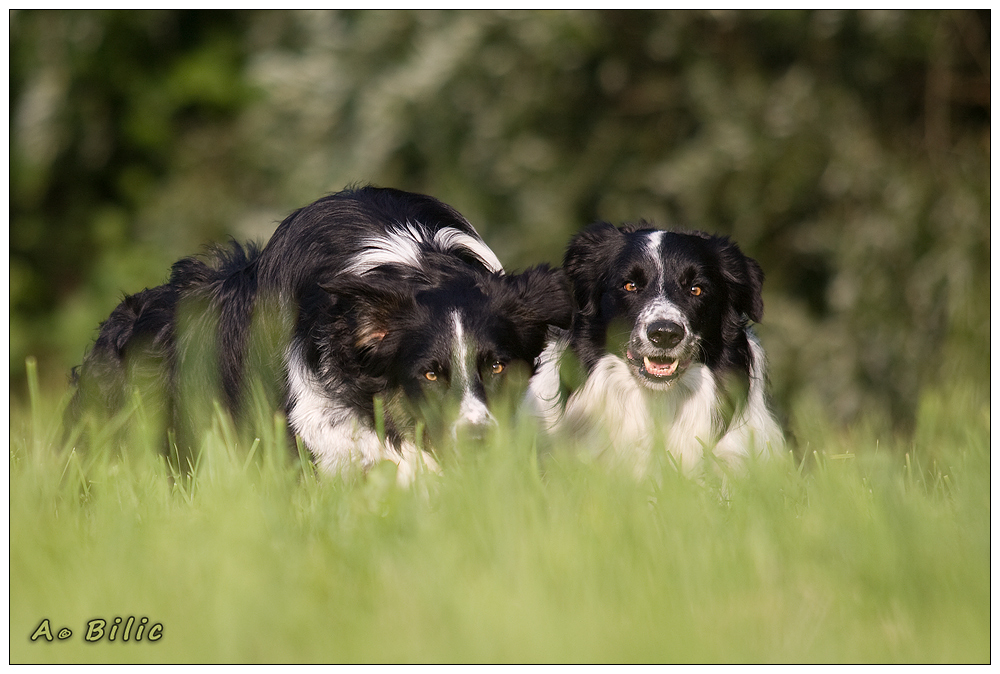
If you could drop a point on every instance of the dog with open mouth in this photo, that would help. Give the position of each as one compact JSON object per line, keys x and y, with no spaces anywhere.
{"x":661,"y":330}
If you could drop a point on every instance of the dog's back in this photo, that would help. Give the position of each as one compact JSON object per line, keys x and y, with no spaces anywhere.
{"x":140,"y":330}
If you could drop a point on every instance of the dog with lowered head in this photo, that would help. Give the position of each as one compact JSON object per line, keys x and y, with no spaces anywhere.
{"x":378,"y":320}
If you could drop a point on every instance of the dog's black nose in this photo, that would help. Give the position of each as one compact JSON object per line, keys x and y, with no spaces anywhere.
{"x":665,"y":334}
{"x":473,"y":430}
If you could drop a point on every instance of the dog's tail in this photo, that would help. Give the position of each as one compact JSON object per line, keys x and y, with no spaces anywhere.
{"x":133,"y":347}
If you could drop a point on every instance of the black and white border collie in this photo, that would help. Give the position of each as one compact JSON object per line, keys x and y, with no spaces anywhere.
{"x":393,"y":327}
{"x":661,"y":330}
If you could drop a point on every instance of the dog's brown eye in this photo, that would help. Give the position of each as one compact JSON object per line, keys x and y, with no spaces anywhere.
{"x":431,"y":375}
{"x":695,"y":290}
{"x":630,"y":287}
{"x":497,"y":367}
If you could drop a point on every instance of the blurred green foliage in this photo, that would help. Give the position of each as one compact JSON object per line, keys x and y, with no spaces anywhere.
{"x":847,"y":151}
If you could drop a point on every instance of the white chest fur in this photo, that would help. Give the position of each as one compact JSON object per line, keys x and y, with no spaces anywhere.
{"x":621,"y":421}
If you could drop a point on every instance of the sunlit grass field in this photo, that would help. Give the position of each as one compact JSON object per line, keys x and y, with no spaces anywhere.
{"x":861,"y":547}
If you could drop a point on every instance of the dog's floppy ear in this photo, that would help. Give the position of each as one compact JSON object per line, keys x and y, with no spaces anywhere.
{"x":541,"y":295}
{"x":744,"y":278}
{"x":587,"y":255}
{"x":371,"y":307}
{"x":534,"y":300}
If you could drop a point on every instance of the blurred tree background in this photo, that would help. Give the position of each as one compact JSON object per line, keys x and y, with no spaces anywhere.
{"x":847,"y":151}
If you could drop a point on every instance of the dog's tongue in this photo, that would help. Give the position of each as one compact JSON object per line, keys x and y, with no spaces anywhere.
{"x":658,"y":368}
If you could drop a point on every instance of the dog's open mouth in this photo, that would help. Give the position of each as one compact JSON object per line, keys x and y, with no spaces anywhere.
{"x":661,"y":369}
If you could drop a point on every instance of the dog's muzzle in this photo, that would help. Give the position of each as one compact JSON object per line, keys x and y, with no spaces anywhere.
{"x":658,"y":355}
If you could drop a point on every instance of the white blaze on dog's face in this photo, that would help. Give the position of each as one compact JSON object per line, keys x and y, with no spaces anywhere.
{"x":467,"y":383}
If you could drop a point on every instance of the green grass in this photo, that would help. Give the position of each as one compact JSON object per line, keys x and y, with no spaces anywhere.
{"x":872,"y":549}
